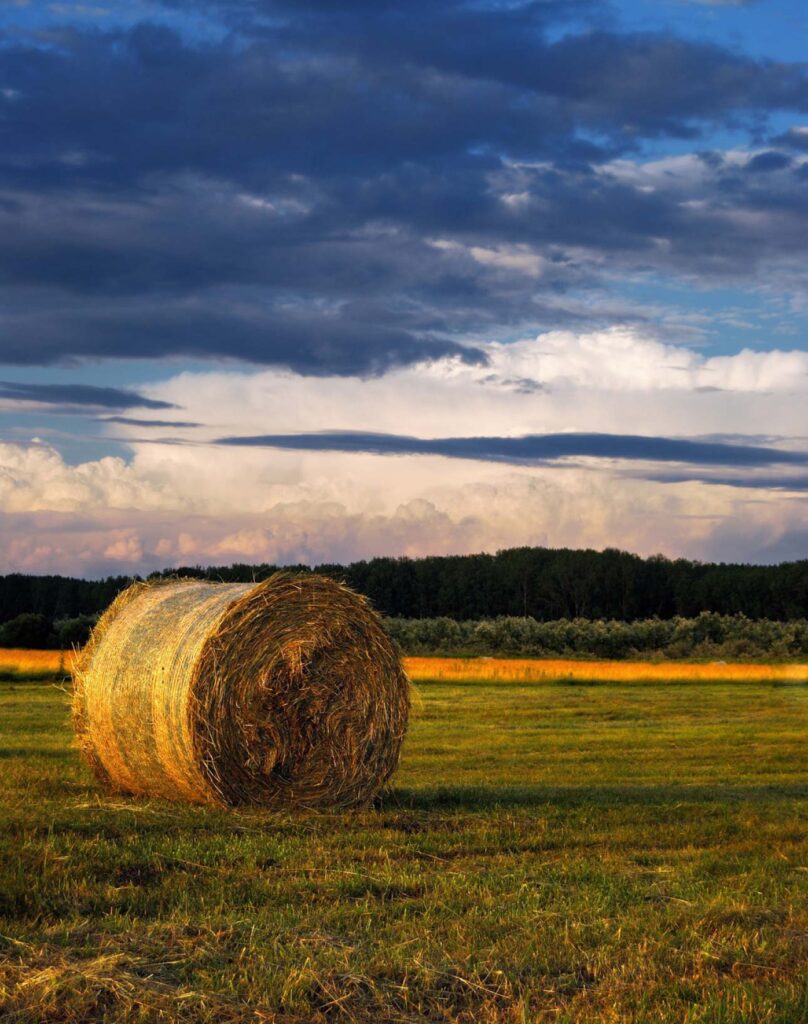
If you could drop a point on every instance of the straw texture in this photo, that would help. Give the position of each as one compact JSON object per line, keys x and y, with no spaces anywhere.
{"x":288,"y":693}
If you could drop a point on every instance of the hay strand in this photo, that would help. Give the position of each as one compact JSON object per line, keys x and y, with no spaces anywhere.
{"x":288,"y":693}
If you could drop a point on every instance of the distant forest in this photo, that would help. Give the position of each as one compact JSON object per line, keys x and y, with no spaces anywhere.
{"x":544,"y":584}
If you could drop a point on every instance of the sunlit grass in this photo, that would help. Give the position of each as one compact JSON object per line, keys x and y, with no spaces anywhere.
{"x":530,"y":670}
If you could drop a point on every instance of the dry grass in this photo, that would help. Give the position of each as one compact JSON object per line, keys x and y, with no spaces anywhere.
{"x":38,"y":991}
{"x":532,"y":670}
{"x":288,"y":693}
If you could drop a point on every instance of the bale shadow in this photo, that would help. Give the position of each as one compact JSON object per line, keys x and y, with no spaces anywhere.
{"x":613,"y":684}
{"x":489,"y":798}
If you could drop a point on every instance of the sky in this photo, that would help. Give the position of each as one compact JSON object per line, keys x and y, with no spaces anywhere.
{"x":312,"y":282}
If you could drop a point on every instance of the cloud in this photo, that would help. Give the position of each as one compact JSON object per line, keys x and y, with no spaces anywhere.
{"x":770,"y":160}
{"x":416,"y":182}
{"x":376,"y":272}
{"x":70,"y":396}
{"x":724,"y":3}
{"x":763,"y":481}
{"x":465,"y":74}
{"x":625,"y":359}
{"x":126,"y":547}
{"x":536,"y":448}
{"x":132,"y":421}
{"x":36,"y":478}
{"x":344,"y":341}
{"x":795,"y":138}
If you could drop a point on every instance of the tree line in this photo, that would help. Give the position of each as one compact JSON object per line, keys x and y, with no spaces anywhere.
{"x":542,"y":584}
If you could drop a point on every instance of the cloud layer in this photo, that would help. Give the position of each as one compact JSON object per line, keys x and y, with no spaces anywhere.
{"x":535,"y":448}
{"x":684,"y":476}
{"x":344,"y":189}
{"x":67,"y":396}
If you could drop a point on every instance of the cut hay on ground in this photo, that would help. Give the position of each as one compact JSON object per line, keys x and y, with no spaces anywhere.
{"x":288,"y":693}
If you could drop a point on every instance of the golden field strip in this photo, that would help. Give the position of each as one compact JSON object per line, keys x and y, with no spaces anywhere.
{"x":26,"y":663}
{"x":536,"y":670}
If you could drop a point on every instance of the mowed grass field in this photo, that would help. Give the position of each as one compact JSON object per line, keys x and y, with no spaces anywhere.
{"x":627,"y":851}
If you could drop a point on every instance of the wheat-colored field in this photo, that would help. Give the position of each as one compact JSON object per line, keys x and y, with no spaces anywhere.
{"x":31,"y":664}
{"x":535,"y":670}
{"x":28,"y":664}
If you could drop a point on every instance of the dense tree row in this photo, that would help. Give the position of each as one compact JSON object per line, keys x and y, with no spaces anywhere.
{"x":547,"y":584}
{"x":542,"y":584}
{"x":56,"y":597}
{"x":707,"y":635}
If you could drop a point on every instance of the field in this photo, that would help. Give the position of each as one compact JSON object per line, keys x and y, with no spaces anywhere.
{"x":561,"y":850}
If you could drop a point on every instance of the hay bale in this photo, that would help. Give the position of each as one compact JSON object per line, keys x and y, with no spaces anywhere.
{"x":288,"y":693}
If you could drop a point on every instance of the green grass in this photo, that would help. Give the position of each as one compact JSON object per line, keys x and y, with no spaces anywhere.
{"x":610,"y":853}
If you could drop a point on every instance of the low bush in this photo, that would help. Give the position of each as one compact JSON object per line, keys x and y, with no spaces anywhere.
{"x":708,"y":636}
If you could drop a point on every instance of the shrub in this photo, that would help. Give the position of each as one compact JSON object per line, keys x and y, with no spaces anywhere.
{"x":27,"y":630}
{"x":706,"y":636}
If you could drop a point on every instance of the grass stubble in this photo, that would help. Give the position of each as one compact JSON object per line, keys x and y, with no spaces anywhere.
{"x":548,"y":852}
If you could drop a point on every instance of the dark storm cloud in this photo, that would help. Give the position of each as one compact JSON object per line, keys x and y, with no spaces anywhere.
{"x":533,"y":448}
{"x":345,"y":341}
{"x":725,"y":3}
{"x":795,"y":138}
{"x":333,"y":90}
{"x":771,"y":160}
{"x":67,"y":395}
{"x":273,"y":193}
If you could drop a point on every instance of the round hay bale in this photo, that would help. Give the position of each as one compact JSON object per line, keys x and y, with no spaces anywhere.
{"x":288,"y":693}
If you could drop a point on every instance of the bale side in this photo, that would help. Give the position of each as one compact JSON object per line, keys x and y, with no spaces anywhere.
{"x":132,"y":710}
